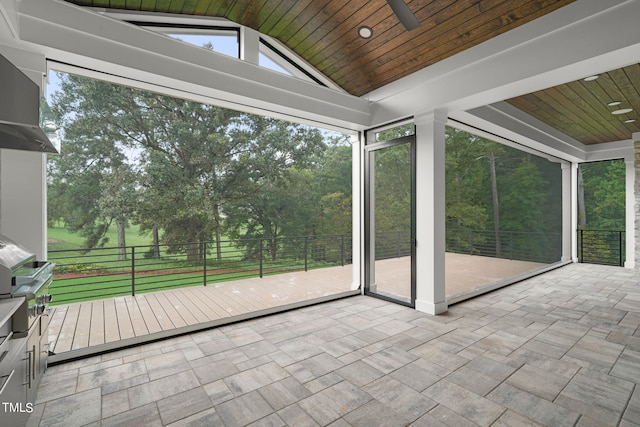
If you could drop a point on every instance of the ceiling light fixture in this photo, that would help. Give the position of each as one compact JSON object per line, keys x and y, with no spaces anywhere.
{"x":365,"y":32}
{"x":614,"y":103}
{"x":590,"y":78}
{"x":623,"y":111}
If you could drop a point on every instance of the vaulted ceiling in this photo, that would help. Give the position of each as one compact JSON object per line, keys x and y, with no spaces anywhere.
{"x":325,"y":34}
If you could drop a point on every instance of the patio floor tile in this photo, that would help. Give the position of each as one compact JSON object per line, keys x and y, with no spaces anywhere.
{"x":521,"y":356}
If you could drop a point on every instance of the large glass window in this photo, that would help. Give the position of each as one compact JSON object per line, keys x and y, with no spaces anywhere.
{"x":225,"y":42}
{"x":503,"y":212}
{"x":164,"y":212}
{"x":601,"y":212}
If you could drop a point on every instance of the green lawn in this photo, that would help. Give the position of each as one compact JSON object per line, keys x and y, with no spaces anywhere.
{"x":100,"y":273}
{"x":61,"y":238}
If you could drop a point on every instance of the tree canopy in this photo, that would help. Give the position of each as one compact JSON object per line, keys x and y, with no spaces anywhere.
{"x":191,"y":170}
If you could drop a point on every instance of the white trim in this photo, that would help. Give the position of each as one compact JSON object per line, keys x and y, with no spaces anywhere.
{"x":574,"y":212}
{"x":630,"y":212}
{"x":74,"y":35}
{"x":249,"y":45}
{"x":357,"y":224}
{"x":431,"y":308}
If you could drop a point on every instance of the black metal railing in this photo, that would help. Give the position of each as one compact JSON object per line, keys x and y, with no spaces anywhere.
{"x":82,"y":275}
{"x":393,"y":244}
{"x":605,"y":247}
{"x":516,"y":245}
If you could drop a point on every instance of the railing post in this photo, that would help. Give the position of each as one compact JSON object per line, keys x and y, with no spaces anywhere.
{"x":342,"y":249}
{"x":260,"y":240}
{"x":581,"y":258}
{"x":511,"y":245}
{"x":133,"y":271}
{"x":204,"y":262}
{"x":620,"y":263}
{"x":306,"y":252}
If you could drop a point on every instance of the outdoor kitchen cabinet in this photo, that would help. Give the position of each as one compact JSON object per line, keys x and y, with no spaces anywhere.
{"x":13,"y":368}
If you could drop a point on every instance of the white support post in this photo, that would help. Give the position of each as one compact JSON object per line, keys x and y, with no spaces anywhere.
{"x":574,"y":212}
{"x":630,"y":214}
{"x":357,"y":219}
{"x":567,"y":212}
{"x":633,"y":203}
{"x":430,"y":213}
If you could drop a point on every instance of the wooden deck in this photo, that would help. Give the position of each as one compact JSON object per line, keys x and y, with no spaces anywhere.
{"x":80,"y":329}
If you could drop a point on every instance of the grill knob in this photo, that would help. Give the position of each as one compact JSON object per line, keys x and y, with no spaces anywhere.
{"x":39,"y":309}
{"x":44,"y":298}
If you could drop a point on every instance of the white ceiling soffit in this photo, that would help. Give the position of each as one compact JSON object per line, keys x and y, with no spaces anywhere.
{"x":70,"y":34}
{"x":578,"y":40}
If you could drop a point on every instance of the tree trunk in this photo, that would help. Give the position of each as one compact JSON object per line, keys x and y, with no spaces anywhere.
{"x":193,"y":247}
{"x":582,"y":211}
{"x":156,"y":242}
{"x":496,"y":203}
{"x":122,"y":250}
{"x":216,"y":214}
{"x":218,"y":247}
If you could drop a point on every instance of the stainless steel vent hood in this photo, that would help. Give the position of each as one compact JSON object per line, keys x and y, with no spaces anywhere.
{"x":19,"y":111}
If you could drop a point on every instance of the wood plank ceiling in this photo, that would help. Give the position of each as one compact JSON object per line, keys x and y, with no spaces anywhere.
{"x":582,"y":109}
{"x":324,"y":33}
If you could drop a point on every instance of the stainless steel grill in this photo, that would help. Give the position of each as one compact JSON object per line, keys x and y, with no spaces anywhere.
{"x":22,"y":276}
{"x":25,"y":281}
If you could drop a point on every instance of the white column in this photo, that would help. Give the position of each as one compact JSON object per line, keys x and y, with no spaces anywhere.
{"x":430,"y":212}
{"x":630,"y":214}
{"x":574,"y":212}
{"x":567,"y":212}
{"x":356,"y":206}
{"x":633,"y":201}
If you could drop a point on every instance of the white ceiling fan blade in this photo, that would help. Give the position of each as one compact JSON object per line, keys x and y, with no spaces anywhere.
{"x":404,"y":14}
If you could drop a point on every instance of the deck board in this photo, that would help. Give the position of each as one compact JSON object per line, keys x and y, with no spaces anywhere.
{"x":171,"y":311}
{"x":68,"y":329}
{"x":191,"y":307}
{"x":137,"y":320}
{"x":161,"y":316}
{"x":150,"y":319}
{"x":83,"y":327}
{"x":111,"y":330}
{"x":197,"y":299}
{"x":125,"y":327}
{"x":97,"y":323}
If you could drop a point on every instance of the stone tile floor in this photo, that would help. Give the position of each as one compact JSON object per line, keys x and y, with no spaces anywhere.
{"x":560,"y":349}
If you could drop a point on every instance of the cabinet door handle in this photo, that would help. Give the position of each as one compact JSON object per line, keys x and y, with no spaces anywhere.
{"x":33,"y":365}
{"x":28,"y":383}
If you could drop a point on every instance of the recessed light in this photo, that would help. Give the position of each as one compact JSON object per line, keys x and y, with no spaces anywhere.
{"x":630,"y":121}
{"x":365,"y":32}
{"x":623,"y":111}
{"x":590,"y":78}
{"x":614,"y":103}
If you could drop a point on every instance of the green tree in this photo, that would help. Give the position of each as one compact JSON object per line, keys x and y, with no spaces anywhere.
{"x":82,"y":179}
